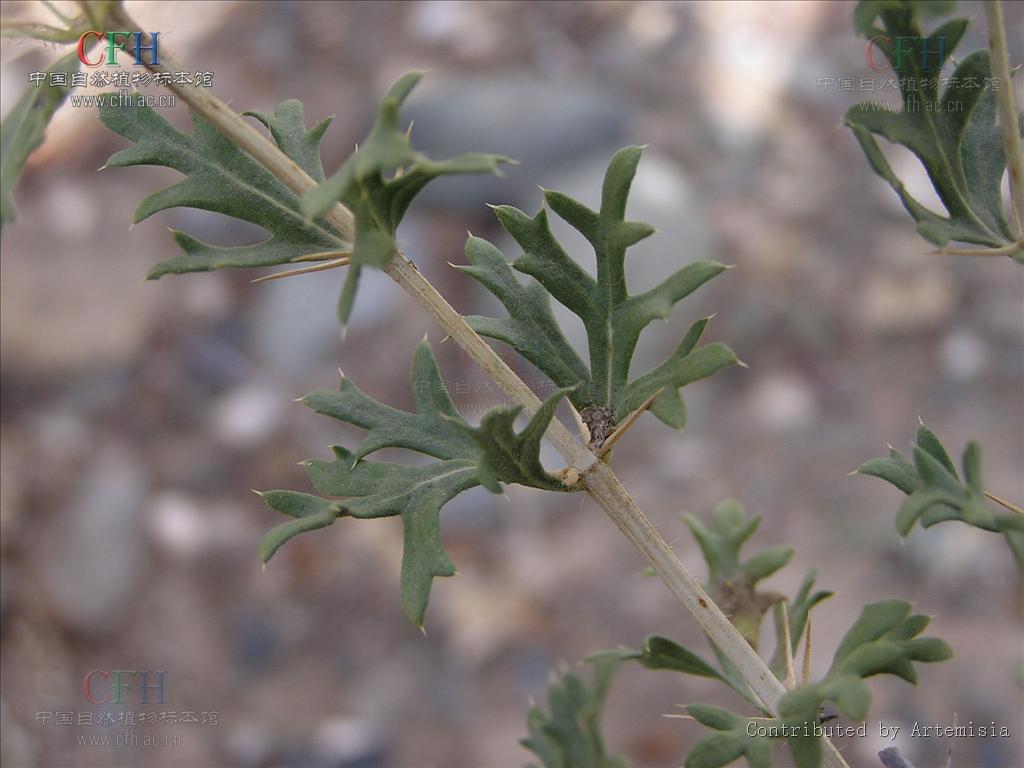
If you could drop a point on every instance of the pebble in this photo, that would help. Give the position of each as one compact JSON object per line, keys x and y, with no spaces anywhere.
{"x":782,"y":401}
{"x":96,"y":558}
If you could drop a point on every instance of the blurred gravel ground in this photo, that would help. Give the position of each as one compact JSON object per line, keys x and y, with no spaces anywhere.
{"x":136,"y":417}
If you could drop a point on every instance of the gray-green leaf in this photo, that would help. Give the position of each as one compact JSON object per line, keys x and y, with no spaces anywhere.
{"x":531,"y":327}
{"x":953,"y":133}
{"x":884,"y":640}
{"x":935,"y":493}
{"x":732,"y":583}
{"x":416,"y":493}
{"x":378,"y":183}
{"x":508,"y":457}
{"x":220,"y":177}
{"x":613,"y":318}
{"x":288,"y":127}
{"x":568,"y":734}
{"x":23,"y":129}
{"x":729,"y":741}
{"x":364,"y":489}
{"x":660,"y":652}
{"x":310,"y":513}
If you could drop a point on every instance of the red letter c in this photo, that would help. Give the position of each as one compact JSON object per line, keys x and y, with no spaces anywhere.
{"x":869,"y":51}
{"x":86,"y":62}
{"x":87,"y":684}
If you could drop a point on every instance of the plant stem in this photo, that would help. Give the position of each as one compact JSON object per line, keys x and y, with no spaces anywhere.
{"x":601,"y":483}
{"x":1004,"y":250}
{"x":604,"y":487}
{"x":1007,"y":109}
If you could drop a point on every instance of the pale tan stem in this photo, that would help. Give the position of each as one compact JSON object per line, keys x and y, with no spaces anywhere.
{"x":601,"y":483}
{"x":1005,"y":250}
{"x":1007,"y":109}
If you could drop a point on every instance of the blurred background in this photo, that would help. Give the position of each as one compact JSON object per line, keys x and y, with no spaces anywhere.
{"x":137,"y":416}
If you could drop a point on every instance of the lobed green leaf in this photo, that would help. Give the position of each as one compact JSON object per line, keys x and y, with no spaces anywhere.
{"x":936,"y":494}
{"x":222,"y":178}
{"x":508,"y":457}
{"x":613,"y":318}
{"x":531,"y":328}
{"x":882,"y":641}
{"x":953,"y":133}
{"x":288,"y":128}
{"x":568,"y":735}
{"x":732,"y":583}
{"x":310,"y":513}
{"x":379,"y":182}
{"x":729,"y":742}
{"x":464,"y":457}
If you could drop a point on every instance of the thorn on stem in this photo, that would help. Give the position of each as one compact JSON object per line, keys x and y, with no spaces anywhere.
{"x":333,"y":264}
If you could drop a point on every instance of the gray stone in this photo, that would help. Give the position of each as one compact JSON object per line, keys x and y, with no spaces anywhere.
{"x":541,"y":124}
{"x":94,"y":560}
{"x":295,"y":327}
